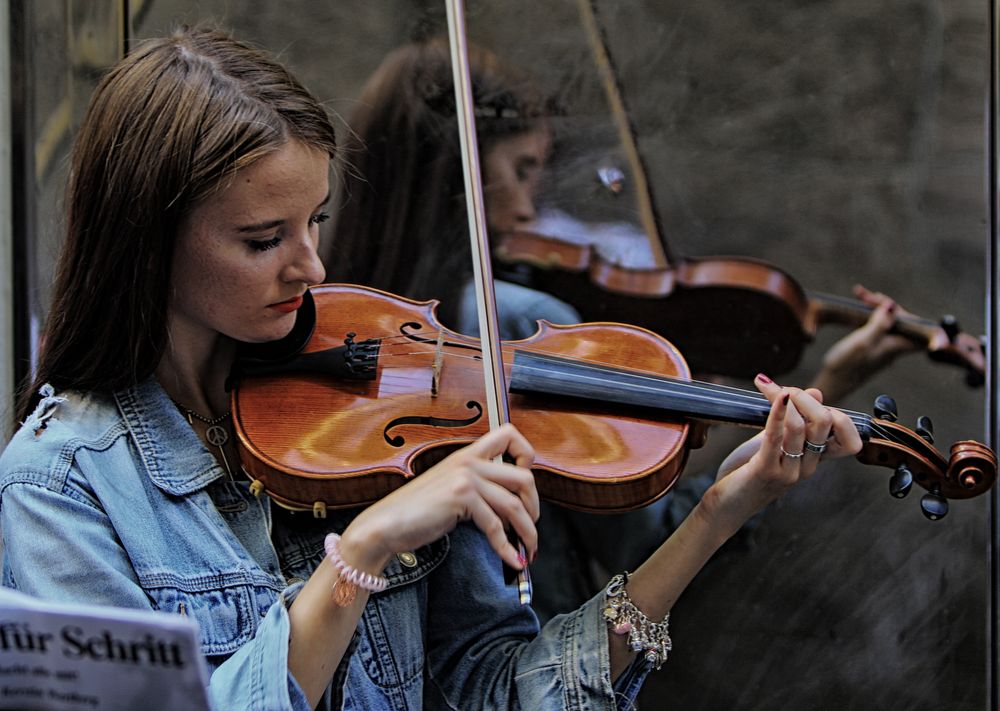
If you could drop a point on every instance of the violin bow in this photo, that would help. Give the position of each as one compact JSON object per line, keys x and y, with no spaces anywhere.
{"x":626,"y":131}
{"x":497,"y":408}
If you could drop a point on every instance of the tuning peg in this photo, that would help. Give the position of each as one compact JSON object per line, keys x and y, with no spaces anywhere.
{"x":901,"y":481}
{"x":950,"y":326}
{"x":885,"y":408}
{"x":934,"y":505}
{"x":925,"y":428}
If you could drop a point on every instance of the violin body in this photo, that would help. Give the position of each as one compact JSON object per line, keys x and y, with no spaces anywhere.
{"x":316,"y":442}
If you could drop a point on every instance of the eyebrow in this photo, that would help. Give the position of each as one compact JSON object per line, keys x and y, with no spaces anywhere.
{"x":271,"y":224}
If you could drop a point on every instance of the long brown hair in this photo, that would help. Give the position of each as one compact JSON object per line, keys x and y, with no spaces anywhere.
{"x":401,"y":225}
{"x":168,"y":125}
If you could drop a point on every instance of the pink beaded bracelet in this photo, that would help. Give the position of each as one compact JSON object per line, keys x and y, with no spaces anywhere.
{"x":350,"y":578}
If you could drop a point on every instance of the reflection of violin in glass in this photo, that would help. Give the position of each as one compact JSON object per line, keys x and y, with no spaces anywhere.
{"x":342,"y":414}
{"x":732,"y":316}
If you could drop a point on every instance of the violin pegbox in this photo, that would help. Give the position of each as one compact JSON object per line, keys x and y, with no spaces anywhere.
{"x":969,"y":471}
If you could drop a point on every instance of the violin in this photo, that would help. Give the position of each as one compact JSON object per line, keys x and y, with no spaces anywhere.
{"x":370,"y":389}
{"x":707,"y":305}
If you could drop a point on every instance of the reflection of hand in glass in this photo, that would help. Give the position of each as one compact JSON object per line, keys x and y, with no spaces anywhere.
{"x":864,"y":351}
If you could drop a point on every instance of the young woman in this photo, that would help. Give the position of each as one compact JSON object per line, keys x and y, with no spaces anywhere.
{"x":199,"y":178}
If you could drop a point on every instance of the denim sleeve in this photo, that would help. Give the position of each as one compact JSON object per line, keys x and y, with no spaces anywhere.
{"x":519,"y":309}
{"x":61,"y":546}
{"x":483,"y":644}
{"x":256,"y":678}
{"x":520,"y":318}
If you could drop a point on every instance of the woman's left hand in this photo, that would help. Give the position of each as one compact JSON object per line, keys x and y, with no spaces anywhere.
{"x":763,"y":468}
{"x":864,"y":351}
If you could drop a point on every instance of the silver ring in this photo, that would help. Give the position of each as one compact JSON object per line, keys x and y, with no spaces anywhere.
{"x":815,"y":448}
{"x":793,"y":456}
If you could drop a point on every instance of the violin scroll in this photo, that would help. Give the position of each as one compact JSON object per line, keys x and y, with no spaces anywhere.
{"x":972,"y":466}
{"x":969,"y":471}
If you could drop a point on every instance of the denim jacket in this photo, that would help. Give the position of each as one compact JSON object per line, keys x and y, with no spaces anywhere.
{"x":114,"y":500}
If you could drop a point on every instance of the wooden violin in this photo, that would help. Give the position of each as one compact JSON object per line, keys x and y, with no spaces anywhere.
{"x":705,"y":306}
{"x":370,"y":389}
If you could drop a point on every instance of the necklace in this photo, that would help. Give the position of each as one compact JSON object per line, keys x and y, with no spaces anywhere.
{"x":215,"y":434}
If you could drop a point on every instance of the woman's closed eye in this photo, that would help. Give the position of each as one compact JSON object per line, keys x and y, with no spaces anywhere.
{"x":262,"y":245}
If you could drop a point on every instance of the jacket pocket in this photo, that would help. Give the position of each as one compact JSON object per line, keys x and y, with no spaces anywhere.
{"x":390,"y":646}
{"x":222,"y":605}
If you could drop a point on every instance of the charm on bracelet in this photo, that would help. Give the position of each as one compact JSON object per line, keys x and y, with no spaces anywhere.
{"x":344,"y":592}
{"x":652,"y":639}
{"x":349,"y":579}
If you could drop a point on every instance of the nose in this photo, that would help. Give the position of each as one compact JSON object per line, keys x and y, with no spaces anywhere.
{"x":522,"y":204}
{"x":306,"y":266}
{"x":509,"y":207}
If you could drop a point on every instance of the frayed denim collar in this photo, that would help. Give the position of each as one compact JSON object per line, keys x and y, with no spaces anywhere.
{"x":171,"y":452}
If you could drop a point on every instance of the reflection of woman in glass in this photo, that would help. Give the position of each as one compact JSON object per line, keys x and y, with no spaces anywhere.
{"x":403,"y":228}
{"x":402,"y":223}
{"x":199,"y":178}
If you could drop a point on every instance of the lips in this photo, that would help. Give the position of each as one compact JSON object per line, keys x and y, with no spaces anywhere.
{"x":287,"y":306}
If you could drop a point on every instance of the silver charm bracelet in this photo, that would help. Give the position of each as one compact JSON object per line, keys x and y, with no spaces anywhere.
{"x":650,"y":638}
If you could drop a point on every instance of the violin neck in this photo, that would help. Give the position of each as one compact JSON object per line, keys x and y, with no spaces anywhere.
{"x":829,"y":308}
{"x":556,"y":375}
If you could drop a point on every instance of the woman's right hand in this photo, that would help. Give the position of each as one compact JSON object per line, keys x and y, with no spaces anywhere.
{"x":468,"y":485}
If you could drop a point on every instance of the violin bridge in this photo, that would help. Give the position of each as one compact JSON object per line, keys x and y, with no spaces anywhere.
{"x":438,"y":363}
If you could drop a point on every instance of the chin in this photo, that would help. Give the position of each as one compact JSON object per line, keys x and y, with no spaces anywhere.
{"x":272,"y":331}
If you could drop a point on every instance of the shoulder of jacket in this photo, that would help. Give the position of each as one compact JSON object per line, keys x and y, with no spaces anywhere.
{"x":61,"y":424}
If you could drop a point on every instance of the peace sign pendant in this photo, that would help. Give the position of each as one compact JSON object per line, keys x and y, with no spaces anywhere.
{"x":217,"y":435}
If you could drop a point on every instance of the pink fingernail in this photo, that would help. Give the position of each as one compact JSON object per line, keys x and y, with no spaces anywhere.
{"x":764,"y":379}
{"x":522,"y":560}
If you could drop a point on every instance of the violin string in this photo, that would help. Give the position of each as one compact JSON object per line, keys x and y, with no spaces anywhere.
{"x":737,"y":395}
{"x":859,"y":420}
{"x":712,"y":396}
{"x":694,"y":386}
{"x":734,"y":396}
